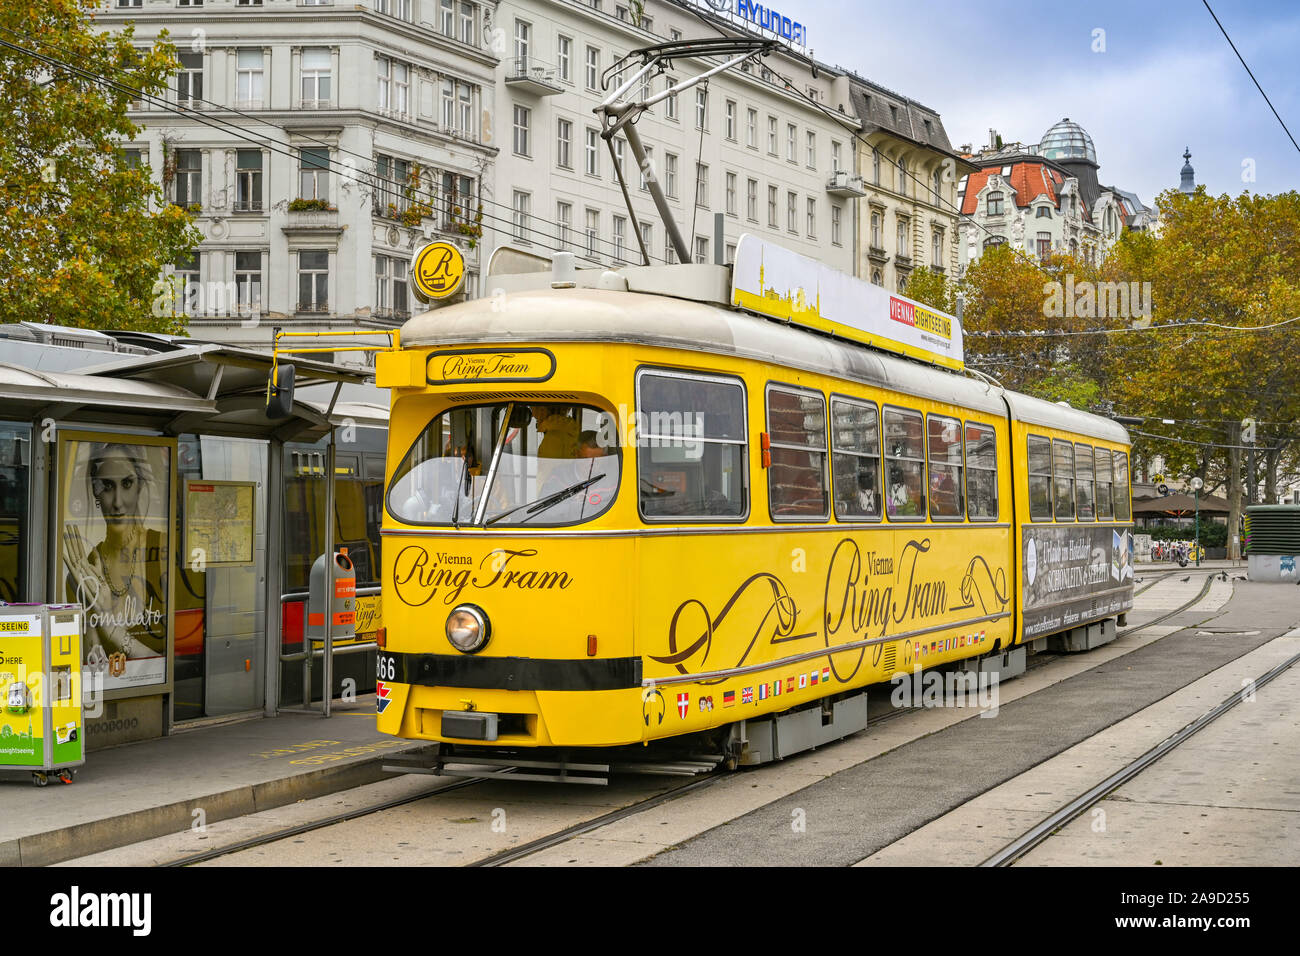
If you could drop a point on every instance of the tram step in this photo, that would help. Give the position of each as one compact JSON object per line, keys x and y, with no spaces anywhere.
{"x":778,"y":737}
{"x":1005,"y":664}
{"x":1083,"y":638}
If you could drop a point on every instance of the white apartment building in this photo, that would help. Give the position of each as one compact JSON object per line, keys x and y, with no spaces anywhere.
{"x":909,"y":173}
{"x":362,"y":131}
{"x":771,"y":162}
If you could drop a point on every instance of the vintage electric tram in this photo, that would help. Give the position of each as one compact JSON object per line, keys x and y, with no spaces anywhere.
{"x":624,"y":506}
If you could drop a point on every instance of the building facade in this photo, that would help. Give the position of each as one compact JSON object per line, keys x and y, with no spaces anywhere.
{"x":1045,"y":199}
{"x":909,"y":174}
{"x":769,"y":159}
{"x":318,"y":144}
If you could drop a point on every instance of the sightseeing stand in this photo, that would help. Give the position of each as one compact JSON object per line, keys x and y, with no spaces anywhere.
{"x":41,"y":725}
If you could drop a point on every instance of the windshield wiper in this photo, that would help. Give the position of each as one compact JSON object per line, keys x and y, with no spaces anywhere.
{"x":455,"y":511}
{"x":541,"y":504}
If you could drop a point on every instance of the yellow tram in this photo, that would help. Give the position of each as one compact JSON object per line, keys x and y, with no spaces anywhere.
{"x":625,"y":506}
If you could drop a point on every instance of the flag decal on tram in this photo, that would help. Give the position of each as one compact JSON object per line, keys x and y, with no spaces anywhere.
{"x":683,"y":705}
{"x":382,"y":699}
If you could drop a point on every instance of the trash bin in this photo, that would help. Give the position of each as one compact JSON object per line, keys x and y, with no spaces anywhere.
{"x":41,"y":726}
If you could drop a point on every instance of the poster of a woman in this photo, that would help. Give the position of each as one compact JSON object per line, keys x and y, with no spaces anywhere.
{"x":116,"y":518}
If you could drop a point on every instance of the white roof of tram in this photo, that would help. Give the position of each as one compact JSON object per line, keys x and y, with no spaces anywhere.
{"x":540,"y":314}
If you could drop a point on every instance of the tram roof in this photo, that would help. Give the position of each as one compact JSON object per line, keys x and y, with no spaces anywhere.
{"x":543,"y":314}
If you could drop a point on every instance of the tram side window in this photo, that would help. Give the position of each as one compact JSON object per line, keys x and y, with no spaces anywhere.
{"x":1040,"y":479}
{"x":691,"y":446}
{"x":796,"y":480}
{"x":904,"y":464}
{"x":1063,"y":479}
{"x":945,"y":445}
{"x":1122,"y":500}
{"x":1104,"y":479}
{"x":855,"y":460}
{"x":981,"y":472}
{"x":1083,"y":477}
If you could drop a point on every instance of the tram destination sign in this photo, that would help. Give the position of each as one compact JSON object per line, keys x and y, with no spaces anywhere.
{"x":781,"y":284}
{"x":490,"y":365}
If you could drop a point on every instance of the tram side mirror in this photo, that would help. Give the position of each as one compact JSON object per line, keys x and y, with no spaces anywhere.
{"x":520,"y":416}
{"x":279,"y":402}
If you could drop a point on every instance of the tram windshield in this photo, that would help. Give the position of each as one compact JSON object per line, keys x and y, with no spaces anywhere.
{"x":509,"y":464}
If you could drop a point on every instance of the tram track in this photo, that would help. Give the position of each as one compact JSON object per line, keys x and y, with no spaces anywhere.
{"x":1041,"y":831}
{"x":569,"y":833}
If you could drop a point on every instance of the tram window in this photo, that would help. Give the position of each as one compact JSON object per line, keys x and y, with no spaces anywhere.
{"x":1104,"y":479}
{"x":1121,"y":491}
{"x":796,"y":480}
{"x":945,"y":447}
{"x":1063,"y":479}
{"x":691,"y":446}
{"x":904,"y":465}
{"x":509,"y":464}
{"x":981,"y":472}
{"x":855,"y":460}
{"x":1083,"y":478}
{"x":1040,"y":479}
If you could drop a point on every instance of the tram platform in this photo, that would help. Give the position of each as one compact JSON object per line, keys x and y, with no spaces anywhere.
{"x":195,"y":776}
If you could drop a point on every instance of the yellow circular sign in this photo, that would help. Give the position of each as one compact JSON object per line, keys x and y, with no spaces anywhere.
{"x":437,"y":271}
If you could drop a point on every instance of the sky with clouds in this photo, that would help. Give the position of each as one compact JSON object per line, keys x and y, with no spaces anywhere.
{"x":1167,"y":79}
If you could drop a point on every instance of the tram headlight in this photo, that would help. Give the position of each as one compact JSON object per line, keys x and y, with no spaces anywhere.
{"x":468,"y":628}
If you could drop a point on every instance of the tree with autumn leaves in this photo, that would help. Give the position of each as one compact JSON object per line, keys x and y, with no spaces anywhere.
{"x":84,"y":234}
{"x":1223,"y":273}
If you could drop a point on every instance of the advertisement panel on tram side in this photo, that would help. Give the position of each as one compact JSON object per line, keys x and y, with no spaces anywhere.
{"x":1073,"y":574}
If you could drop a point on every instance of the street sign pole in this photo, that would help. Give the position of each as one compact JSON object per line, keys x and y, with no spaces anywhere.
{"x":1196,"y":489}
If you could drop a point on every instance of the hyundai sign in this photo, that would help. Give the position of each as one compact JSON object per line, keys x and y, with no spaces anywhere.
{"x":764,"y":18}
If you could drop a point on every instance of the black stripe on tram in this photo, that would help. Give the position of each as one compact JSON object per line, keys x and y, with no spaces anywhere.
{"x":516,"y":673}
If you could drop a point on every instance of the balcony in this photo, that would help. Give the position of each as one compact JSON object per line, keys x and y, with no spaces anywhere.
{"x":534,"y":76}
{"x":312,"y":217}
{"x":845,"y":185}
{"x":877,"y":254}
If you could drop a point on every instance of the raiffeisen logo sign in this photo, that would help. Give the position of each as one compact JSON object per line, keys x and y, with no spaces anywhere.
{"x":763,"y":18}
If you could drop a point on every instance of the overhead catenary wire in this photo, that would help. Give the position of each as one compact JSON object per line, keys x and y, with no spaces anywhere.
{"x":1251,"y":74}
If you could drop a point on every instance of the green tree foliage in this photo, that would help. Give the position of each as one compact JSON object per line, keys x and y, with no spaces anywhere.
{"x":83,"y":234}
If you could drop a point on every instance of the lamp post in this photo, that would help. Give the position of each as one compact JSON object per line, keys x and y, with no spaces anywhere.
{"x":1196,"y":490}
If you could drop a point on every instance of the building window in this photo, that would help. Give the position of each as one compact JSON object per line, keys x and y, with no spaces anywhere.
{"x":731,"y":120}
{"x":447,"y":18}
{"x":248,"y":281}
{"x":1044,"y":212}
{"x":902,"y":176}
{"x":1044,"y":245}
{"x":390,"y":287}
{"x":904,"y":248}
{"x":791,"y":138}
{"x":189,"y":81}
{"x":458,"y":193}
{"x":835,"y":157}
{"x":458,"y":107}
{"x":189,"y":177}
{"x":249,"y":79}
{"x":391,"y":180}
{"x":187,"y":281}
{"x":522,"y":206}
{"x":467,"y":23}
{"x":563,"y":54}
{"x":751,"y":129}
{"x":314,"y":174}
{"x":401,"y":9}
{"x":564,"y":144}
{"x":812,"y":150}
{"x":647,"y":237}
{"x":593,"y":152}
{"x":316,"y":76}
{"x":731,"y":194}
{"x":812,"y":217}
{"x":751,"y":200}
{"x":248,"y":180}
{"x":313,"y":280}
{"x":593,"y":68}
{"x":670,"y":175}
{"x":792,"y":211}
{"x":647,"y":165}
{"x":771,"y":135}
{"x":521,"y":131}
{"x":618,"y":157}
{"x":523,"y":38}
{"x":993,"y":205}
{"x":835,"y":225}
{"x":876,"y":242}
{"x":670,"y":254}
{"x":593,"y":232}
{"x":875,"y":166}
{"x":670,"y":107}
{"x":702,"y":185}
{"x":936,"y":187}
{"x":877,"y":278}
{"x":394,"y":86}
{"x":701,"y":250}
{"x":771,"y":207}
{"x":620,"y":237}
{"x":564,"y":219}
{"x":936,"y":248}
{"x":702,"y":108}
{"x":992,"y":241}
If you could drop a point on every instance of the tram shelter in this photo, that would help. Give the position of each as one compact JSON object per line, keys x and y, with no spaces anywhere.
{"x":153,"y":487}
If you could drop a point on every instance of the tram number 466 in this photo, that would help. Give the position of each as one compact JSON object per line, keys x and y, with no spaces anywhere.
{"x":386,"y":667}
